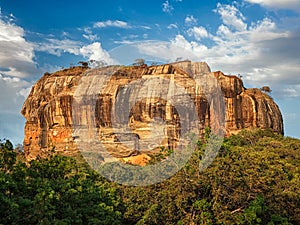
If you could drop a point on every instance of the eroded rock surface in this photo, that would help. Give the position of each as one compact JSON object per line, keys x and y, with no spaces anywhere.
{"x":135,"y":110}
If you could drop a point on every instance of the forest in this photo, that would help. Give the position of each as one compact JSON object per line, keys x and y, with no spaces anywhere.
{"x":255,"y":179}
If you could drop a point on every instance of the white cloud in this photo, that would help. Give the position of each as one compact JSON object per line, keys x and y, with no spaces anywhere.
{"x":88,"y":34}
{"x":168,"y":51}
{"x":231,"y":16}
{"x":91,"y":37}
{"x":95,"y":51}
{"x":57,"y":47}
{"x":124,"y":42}
{"x":24,"y":92}
{"x":278,"y":4}
{"x":265,"y":30}
{"x":92,"y":51}
{"x":146,"y":27}
{"x":16,"y":54}
{"x":292,"y":91}
{"x":16,"y":62}
{"x":198,"y":33}
{"x":172,"y":26}
{"x":14,"y":91}
{"x":111,"y":23}
{"x":190,"y":20}
{"x":166,"y":7}
{"x":260,"y":51}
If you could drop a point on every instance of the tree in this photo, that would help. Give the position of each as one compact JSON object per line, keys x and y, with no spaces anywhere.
{"x":139,"y":62}
{"x":266,"y":89}
{"x":7,"y":156}
{"x":84,"y":64}
{"x":55,"y":191}
{"x":253,"y":180}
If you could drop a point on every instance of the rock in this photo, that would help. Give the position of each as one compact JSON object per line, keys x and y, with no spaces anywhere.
{"x":133,"y":111}
{"x":47,"y":111}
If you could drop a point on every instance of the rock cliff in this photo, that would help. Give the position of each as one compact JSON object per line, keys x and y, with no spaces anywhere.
{"x":135,"y":110}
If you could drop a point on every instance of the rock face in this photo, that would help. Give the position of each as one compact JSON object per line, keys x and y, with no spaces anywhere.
{"x":134,"y":110}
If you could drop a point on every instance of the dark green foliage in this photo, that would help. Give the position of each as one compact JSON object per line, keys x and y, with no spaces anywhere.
{"x":255,"y":179}
{"x":7,"y":156}
{"x":258,"y":213}
{"x":56,"y":191}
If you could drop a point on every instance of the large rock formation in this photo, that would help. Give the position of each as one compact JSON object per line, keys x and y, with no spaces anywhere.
{"x":138,"y":108}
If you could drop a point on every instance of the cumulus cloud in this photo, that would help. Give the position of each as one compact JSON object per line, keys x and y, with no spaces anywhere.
{"x":16,"y":64}
{"x":14,"y":91}
{"x":178,"y":47}
{"x":278,"y":4}
{"x":89,"y":34}
{"x":111,"y":23}
{"x":16,"y":54}
{"x":231,"y":16}
{"x":266,"y":30}
{"x":92,"y":51}
{"x":260,"y":51}
{"x":190,"y":20}
{"x":91,"y":37}
{"x":167,"y":7}
{"x":198,"y":33}
{"x":57,"y":47}
{"x":95,"y":51}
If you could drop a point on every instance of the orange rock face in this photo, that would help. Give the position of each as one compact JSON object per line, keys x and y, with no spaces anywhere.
{"x":158,"y":118}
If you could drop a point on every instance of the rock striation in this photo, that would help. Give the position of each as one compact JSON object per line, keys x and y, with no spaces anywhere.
{"x":134,"y":110}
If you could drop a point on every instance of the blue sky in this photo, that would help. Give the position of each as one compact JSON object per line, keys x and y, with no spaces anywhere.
{"x":259,"y":39}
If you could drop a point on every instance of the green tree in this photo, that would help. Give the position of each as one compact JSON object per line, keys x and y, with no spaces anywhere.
{"x":7,"y":155}
{"x":56,"y":191}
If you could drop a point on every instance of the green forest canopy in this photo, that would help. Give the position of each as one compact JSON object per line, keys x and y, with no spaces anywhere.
{"x":253,"y":180}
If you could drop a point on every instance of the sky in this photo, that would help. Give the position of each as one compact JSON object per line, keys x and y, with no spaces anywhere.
{"x":257,"y":39}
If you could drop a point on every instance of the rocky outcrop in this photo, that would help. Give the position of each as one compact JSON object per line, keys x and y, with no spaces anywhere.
{"x":246,"y":108}
{"x":135,"y":110}
{"x":48,"y":110}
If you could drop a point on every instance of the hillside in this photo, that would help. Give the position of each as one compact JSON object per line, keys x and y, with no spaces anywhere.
{"x":253,"y":180}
